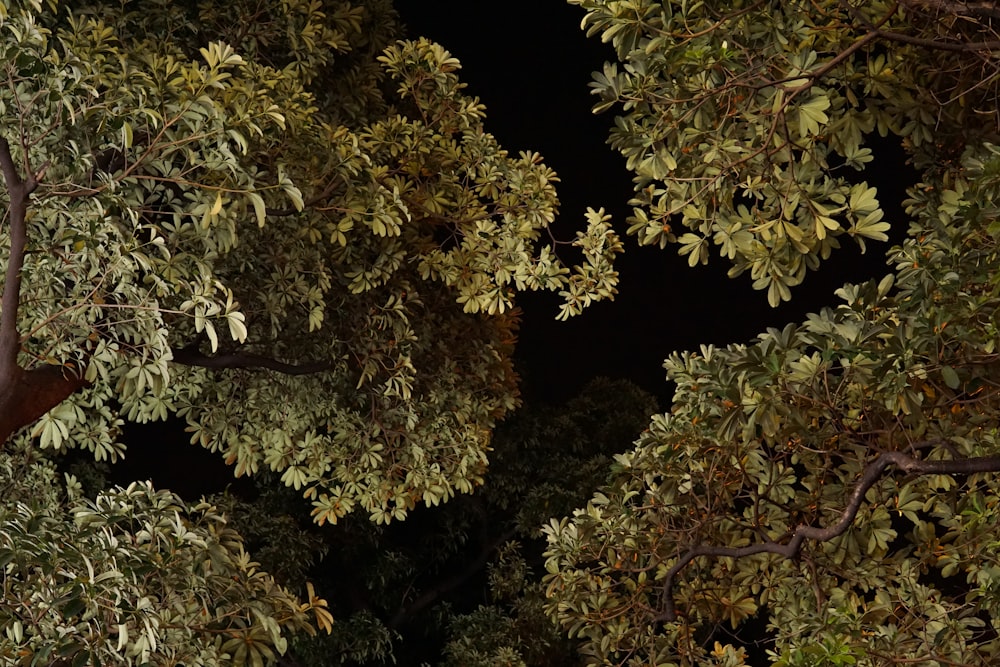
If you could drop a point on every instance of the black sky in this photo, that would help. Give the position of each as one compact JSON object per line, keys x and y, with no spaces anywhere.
{"x":530,"y":63}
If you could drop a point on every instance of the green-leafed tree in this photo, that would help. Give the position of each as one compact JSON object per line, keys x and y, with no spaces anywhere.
{"x":745,"y":123}
{"x":274,"y":222}
{"x":835,"y":482}
{"x":135,"y":576}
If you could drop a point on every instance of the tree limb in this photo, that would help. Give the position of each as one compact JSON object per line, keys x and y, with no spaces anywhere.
{"x":958,"y":47}
{"x":25,"y":395}
{"x":18,"y":191}
{"x":190,"y":355}
{"x":871,"y":473}
{"x":29,"y":394}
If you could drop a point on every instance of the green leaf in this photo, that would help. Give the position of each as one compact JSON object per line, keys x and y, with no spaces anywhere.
{"x":950,"y":377}
{"x":260,"y":210}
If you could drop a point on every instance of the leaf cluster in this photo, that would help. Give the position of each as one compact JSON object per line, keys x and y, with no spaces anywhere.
{"x":747,"y":124}
{"x":768,"y":437}
{"x":322,"y":285}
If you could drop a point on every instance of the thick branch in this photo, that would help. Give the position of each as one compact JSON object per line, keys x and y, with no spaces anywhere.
{"x":18,"y":191}
{"x":27,"y":395}
{"x":964,"y":8}
{"x":872,"y":472}
{"x":192,"y":356}
{"x":957,"y":47}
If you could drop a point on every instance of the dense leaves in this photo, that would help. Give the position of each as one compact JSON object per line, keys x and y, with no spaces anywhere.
{"x":834,"y":480}
{"x":745,"y":122}
{"x":202,"y":238}
{"x":294,"y":233}
{"x":134,"y":576}
{"x":273,"y":221}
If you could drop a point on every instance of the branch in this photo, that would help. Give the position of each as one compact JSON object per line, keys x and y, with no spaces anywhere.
{"x":18,"y":191}
{"x":872,"y":472}
{"x":309,"y":203}
{"x":190,"y":355}
{"x":29,"y":394}
{"x":958,"y":47}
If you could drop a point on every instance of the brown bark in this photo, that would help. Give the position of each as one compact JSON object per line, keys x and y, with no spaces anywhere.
{"x":27,"y":395}
{"x":18,"y":192}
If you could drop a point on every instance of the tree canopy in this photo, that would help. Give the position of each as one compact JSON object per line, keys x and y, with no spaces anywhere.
{"x":292,"y":231}
{"x":201,"y":234}
{"x":275,"y":222}
{"x":832,"y":481}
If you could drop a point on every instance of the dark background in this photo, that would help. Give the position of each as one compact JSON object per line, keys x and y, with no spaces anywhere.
{"x":530,"y":63}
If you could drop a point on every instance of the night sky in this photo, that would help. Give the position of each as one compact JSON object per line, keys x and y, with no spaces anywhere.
{"x":530,"y":63}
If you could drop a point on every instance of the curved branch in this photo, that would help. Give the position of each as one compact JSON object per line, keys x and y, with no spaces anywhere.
{"x":871,"y":473}
{"x":192,"y":356}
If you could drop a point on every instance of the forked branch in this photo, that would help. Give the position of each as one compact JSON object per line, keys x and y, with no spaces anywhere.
{"x":191,"y":355}
{"x":25,"y":395}
{"x":871,"y":474}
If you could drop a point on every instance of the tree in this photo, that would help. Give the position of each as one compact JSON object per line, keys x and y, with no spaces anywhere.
{"x":833,"y":480}
{"x":278,"y":224}
{"x":746,"y":132}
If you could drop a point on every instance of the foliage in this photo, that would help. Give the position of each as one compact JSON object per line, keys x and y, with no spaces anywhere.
{"x":273,"y":221}
{"x":513,"y":628}
{"x":197,"y":235}
{"x":457,"y":583}
{"x":833,"y":480}
{"x":131,"y":577}
{"x":743,"y":121}
{"x":547,"y":461}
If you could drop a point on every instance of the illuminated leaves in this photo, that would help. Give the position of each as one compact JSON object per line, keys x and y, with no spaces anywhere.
{"x":272,"y":254}
{"x":812,"y":116}
{"x":743,"y":123}
{"x":318,"y":606}
{"x":771,"y":436}
{"x":134,"y":576}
